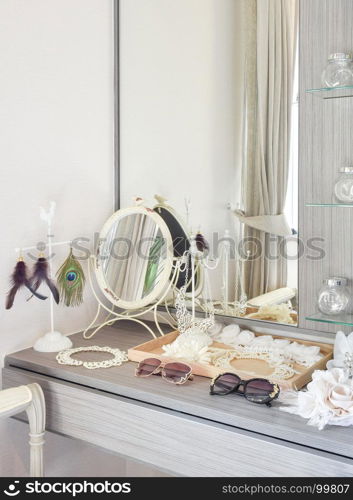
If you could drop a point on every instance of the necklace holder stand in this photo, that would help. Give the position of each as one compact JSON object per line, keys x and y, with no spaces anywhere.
{"x":52,"y":341}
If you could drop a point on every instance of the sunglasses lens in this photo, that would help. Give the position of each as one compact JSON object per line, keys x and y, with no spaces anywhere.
{"x":147,"y":367}
{"x":258,"y":390}
{"x":226,"y":383}
{"x":176,"y":372}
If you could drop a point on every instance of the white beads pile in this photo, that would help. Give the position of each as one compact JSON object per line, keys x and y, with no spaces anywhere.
{"x":278,"y":350}
{"x":194,"y":344}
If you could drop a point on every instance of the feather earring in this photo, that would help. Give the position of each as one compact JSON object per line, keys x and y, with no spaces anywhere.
{"x":201,"y":243}
{"x":71,"y":281}
{"x":40,"y":275}
{"x":18,"y":280}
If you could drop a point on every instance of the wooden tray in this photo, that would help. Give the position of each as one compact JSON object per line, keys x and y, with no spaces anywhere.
{"x":245,"y":368}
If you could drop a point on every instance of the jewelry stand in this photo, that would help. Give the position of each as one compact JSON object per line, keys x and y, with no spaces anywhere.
{"x":201,"y":265}
{"x":53,"y":341}
{"x":238,"y":306}
{"x":224,"y":306}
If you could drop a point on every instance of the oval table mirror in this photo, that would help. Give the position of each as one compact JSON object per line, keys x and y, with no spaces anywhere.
{"x":134,"y":258}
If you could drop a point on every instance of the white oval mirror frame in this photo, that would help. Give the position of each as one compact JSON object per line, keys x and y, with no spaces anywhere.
{"x":164,"y":278}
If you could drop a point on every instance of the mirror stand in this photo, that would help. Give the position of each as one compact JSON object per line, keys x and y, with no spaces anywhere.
{"x":134,"y":314}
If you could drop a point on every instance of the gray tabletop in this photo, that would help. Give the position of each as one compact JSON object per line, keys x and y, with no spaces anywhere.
{"x":192,"y":398}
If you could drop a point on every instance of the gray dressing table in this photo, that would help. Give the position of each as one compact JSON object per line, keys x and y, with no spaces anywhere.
{"x":182,"y":430}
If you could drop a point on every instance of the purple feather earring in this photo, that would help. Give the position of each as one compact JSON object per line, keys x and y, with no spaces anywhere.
{"x":40,"y":275}
{"x":18,"y":280}
{"x":201,"y":242}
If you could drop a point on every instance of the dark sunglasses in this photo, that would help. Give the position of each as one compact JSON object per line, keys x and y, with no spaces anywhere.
{"x":175,"y":373}
{"x":256,"y":390}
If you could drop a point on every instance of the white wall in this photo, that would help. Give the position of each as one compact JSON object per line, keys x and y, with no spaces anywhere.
{"x":56,"y":142}
{"x":181,"y":80}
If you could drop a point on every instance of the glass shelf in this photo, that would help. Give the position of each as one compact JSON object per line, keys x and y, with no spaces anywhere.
{"x":332,"y":92}
{"x":341,"y":319}
{"x":341,"y":205}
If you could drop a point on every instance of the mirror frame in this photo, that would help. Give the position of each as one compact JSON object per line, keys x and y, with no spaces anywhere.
{"x":165,"y":274}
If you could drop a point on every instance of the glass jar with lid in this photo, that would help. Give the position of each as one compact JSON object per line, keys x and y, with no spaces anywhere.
{"x":334,"y":297}
{"x":339,"y":71}
{"x":344,"y":185}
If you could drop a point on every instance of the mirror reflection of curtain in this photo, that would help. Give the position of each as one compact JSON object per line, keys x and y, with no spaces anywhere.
{"x":133,"y":257}
{"x":270,"y":42}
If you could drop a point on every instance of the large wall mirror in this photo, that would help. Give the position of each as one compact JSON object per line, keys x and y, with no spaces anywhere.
{"x":209,"y":121}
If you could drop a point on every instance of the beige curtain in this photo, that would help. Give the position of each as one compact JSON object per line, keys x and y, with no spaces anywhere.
{"x":270,"y":57}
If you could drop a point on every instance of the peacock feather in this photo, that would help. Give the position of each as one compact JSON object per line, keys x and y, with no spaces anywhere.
{"x":71,"y":281}
{"x":153,"y":265}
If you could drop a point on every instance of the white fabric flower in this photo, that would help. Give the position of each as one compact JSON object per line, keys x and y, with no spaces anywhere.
{"x":215,"y":330}
{"x":281,"y":342}
{"x":341,"y":399}
{"x":191,"y":345}
{"x":328,"y":399}
{"x":245,"y":337}
{"x":229,"y":334}
{"x":303,"y":354}
{"x":231,"y":329}
{"x":263,"y":339}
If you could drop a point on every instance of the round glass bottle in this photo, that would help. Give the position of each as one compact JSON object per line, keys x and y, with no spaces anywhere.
{"x":334,"y":297}
{"x":339,"y":71}
{"x":344,"y":185}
